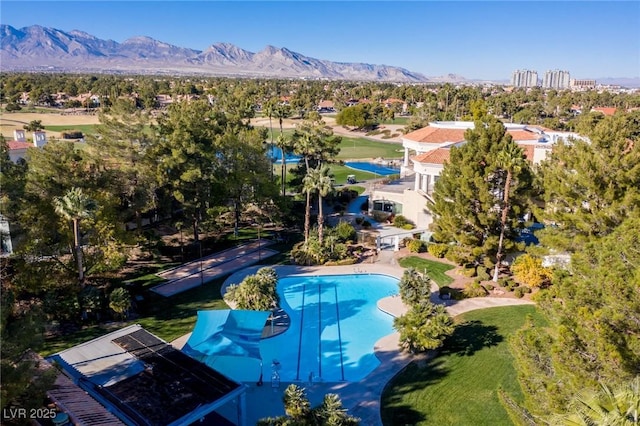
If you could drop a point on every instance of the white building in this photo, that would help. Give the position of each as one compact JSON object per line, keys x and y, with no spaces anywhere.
{"x":556,"y":79}
{"x":18,"y":146}
{"x":524,"y":78}
{"x":426,"y":151}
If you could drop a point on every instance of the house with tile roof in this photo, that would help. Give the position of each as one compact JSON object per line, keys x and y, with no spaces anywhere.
{"x":17,"y":148}
{"x":427,"y":150}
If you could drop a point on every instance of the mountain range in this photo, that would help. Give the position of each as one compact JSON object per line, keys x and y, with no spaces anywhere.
{"x":37,"y":48}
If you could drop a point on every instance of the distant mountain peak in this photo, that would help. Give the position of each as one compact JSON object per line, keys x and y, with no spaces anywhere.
{"x":36,"y":47}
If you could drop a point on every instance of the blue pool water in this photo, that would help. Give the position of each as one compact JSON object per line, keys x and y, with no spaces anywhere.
{"x":275,"y":154}
{"x":335,"y":323}
{"x":374,"y":168}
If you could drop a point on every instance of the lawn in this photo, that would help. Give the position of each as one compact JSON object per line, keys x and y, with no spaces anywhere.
{"x":459,"y":386}
{"x":166,"y":317}
{"x":436,"y":270}
{"x":84,"y":128}
{"x":357,"y":148}
{"x":339,"y":172}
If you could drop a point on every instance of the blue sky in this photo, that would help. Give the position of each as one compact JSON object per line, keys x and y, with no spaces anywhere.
{"x":475,"y":39}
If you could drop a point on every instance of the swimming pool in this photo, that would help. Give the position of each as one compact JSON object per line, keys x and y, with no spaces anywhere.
{"x":373,"y":167}
{"x":335,"y":323}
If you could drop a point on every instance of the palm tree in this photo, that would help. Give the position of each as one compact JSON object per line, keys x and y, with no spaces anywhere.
{"x":332,"y":413}
{"x":74,"y":206}
{"x":308,"y":187}
{"x":296,"y":404}
{"x":619,"y":406}
{"x":268,"y":110}
{"x":324,"y":186}
{"x":282,"y":111}
{"x":511,"y":160}
{"x":283,"y":144}
{"x":120,"y":301}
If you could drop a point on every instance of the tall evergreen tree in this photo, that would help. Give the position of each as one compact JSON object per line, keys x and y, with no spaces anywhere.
{"x":467,"y":196}
{"x":594,"y":324}
{"x":590,"y":187}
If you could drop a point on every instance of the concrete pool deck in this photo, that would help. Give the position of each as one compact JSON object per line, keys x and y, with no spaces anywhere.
{"x":362,"y":398}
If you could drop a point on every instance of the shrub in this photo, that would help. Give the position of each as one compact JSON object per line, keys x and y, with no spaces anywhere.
{"x":507,"y":283}
{"x":520,"y":291}
{"x":400,"y":221}
{"x":73,"y":134}
{"x":12,"y":107}
{"x":407,"y":226}
{"x":468,"y":271}
{"x":459,"y":255}
{"x":529,"y":271}
{"x":345,"y":231}
{"x":438,"y":250}
{"x":359,"y":220}
{"x":366,"y":224}
{"x":489,"y":287}
{"x":482,"y":273}
{"x":415,"y":246}
{"x":474,"y":289}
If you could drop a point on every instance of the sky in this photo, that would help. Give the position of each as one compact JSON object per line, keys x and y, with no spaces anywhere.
{"x":474,"y":39}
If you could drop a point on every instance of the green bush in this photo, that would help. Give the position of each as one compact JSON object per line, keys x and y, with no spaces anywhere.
{"x":508,"y":283}
{"x":459,"y":255}
{"x":489,"y":287}
{"x":366,"y":224}
{"x":359,"y":220}
{"x":415,"y":246}
{"x":12,"y":107}
{"x":73,"y":134}
{"x":345,"y":231}
{"x":482,"y":273}
{"x":519,"y":291}
{"x":402,"y":222}
{"x":474,"y":289}
{"x":468,"y":271}
{"x":438,"y":250}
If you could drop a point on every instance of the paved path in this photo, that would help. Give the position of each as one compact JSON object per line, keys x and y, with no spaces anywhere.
{"x":200,"y":271}
{"x":362,"y":398}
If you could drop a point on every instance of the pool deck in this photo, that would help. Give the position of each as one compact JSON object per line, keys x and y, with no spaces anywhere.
{"x":361,"y":398}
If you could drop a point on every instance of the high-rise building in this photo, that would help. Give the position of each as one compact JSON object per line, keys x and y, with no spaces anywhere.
{"x":524,"y":78}
{"x":556,"y":79}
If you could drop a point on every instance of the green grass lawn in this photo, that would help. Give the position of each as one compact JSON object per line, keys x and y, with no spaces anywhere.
{"x":166,"y":317}
{"x":357,"y":148}
{"x":339,"y":172}
{"x":84,"y":128}
{"x":459,"y":386}
{"x":435,"y":270}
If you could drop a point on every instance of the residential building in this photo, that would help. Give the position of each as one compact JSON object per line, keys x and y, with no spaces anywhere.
{"x":576,"y":84}
{"x":18,"y":146}
{"x":426,"y":152}
{"x":556,"y":79}
{"x":524,"y":78}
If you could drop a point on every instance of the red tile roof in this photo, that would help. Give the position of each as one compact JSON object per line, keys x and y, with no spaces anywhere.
{"x":523,"y":135}
{"x":605,"y":110}
{"x":439,"y":135}
{"x":528,"y":151}
{"x":436,"y":135}
{"x":437,"y":156}
{"x":14,"y":145}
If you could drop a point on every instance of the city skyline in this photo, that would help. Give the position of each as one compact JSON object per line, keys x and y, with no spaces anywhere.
{"x":476,"y":40}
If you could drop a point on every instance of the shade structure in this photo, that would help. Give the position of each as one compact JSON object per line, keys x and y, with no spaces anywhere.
{"x":222,"y":334}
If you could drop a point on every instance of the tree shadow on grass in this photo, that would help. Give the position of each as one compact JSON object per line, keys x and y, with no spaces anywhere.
{"x":414,"y":378}
{"x":470,"y":337}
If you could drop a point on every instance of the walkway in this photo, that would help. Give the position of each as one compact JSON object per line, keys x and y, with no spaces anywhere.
{"x":201,"y":271}
{"x":362,"y":398}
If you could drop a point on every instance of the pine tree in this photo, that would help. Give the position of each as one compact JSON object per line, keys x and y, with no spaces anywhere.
{"x":469,"y":193}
